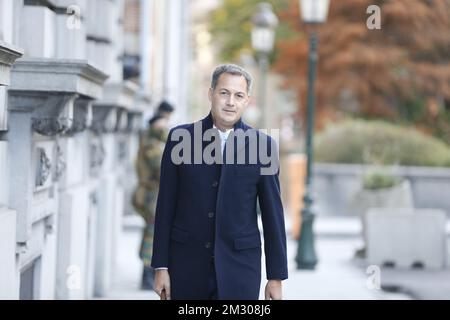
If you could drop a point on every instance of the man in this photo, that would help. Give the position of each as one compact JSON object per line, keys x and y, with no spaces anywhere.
{"x":151,"y":146}
{"x":207,"y":243}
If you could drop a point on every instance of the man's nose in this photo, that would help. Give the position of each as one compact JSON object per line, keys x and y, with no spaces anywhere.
{"x":230,"y":101}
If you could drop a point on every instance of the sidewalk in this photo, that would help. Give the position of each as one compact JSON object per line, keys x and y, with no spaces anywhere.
{"x":337,"y":275}
{"x":337,"y":238}
{"x":126,"y":284}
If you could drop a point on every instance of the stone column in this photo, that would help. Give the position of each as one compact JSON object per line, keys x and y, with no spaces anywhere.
{"x":37,"y":38}
{"x":71,"y":32}
{"x":110,"y":122}
{"x":77,"y":208}
{"x":8,"y":279}
{"x":6,"y":20}
{"x":101,"y":30}
{"x":58,"y":29}
{"x":135,"y":126}
{"x":42,"y":101}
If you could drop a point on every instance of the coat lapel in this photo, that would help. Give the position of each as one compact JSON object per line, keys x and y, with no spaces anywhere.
{"x":207,"y":123}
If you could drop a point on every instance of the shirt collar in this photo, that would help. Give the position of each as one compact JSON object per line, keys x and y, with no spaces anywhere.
{"x":223,"y":135}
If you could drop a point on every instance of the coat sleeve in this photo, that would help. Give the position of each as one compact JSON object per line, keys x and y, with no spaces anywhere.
{"x":165,"y":207}
{"x":273,"y":221}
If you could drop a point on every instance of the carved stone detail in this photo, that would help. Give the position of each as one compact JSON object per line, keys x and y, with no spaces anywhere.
{"x":52,"y":126}
{"x":97,"y":156}
{"x":60,"y":165}
{"x":43,"y":168}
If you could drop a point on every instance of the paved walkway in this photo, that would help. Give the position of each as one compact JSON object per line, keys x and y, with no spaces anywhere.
{"x":126,"y":283}
{"x":337,"y":276}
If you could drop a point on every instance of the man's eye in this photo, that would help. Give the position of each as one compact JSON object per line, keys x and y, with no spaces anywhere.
{"x":240,"y":96}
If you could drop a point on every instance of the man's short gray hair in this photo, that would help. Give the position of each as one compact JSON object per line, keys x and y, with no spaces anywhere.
{"x":234,"y":70}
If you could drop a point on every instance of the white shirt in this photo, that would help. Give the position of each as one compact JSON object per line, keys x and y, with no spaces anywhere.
{"x":223,"y":136}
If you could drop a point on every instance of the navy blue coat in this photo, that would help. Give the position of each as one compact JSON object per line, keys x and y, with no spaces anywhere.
{"x":207,"y":213}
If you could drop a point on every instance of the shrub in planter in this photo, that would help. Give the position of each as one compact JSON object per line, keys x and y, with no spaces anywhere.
{"x":379,"y":180}
{"x":379,"y":142}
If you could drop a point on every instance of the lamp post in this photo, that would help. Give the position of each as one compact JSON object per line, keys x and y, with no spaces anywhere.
{"x":263,"y":38}
{"x":313,"y":12}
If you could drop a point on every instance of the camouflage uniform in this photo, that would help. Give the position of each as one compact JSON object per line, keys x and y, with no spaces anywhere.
{"x":148,"y":162}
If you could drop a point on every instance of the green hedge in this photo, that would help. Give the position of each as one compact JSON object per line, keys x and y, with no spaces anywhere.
{"x":379,"y":142}
{"x":379,"y":180}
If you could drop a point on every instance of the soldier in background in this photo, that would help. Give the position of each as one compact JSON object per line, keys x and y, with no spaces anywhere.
{"x":148,"y":162}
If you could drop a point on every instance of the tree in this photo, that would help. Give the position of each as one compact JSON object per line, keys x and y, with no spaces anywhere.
{"x":231,"y":25}
{"x":400,"y":72}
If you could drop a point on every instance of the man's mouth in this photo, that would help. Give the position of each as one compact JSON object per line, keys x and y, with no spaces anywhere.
{"x":229,"y":111}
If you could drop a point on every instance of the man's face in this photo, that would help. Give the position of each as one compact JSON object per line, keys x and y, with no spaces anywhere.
{"x":228,"y":100}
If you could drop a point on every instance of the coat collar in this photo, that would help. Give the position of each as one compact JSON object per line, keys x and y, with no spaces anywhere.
{"x":207,"y":123}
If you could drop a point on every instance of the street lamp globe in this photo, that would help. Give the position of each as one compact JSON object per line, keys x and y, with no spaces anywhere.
{"x":314,"y":11}
{"x":263,"y":32}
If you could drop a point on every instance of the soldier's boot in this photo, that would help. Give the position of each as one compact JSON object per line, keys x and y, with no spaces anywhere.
{"x":147,"y":278}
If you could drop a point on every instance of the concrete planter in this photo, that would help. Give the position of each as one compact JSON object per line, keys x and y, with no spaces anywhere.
{"x":398,"y":196}
{"x":406,"y":238}
{"x":336,"y":185}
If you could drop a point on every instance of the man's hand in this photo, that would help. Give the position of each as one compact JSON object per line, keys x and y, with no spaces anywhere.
{"x":162,"y":284}
{"x":273,"y":290}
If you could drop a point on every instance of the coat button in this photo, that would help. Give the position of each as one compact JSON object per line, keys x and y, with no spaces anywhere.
{"x":208,"y":245}
{"x":215,"y":184}
{"x":211,"y":214}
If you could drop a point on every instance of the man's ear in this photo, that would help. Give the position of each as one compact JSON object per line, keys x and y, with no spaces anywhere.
{"x":210,"y":93}
{"x":248,"y":99}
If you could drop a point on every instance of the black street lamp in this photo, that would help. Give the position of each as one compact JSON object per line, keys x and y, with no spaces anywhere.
{"x":263,"y":38}
{"x":313,"y":12}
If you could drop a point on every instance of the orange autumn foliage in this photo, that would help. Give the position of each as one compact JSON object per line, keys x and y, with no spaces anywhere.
{"x":371,"y":73}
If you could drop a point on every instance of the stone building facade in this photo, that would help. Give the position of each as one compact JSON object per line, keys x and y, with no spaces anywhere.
{"x":69,"y":126}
